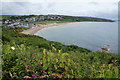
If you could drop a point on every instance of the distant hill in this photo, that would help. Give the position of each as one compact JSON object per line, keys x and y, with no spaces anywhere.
{"x":26,"y":20}
{"x":57,"y":17}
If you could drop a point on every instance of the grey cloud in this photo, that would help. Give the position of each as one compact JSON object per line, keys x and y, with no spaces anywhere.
{"x":51,"y":5}
{"x":18,"y":8}
{"x":74,"y":9}
{"x":12,"y":8}
{"x":94,"y":3}
{"x":111,"y":15}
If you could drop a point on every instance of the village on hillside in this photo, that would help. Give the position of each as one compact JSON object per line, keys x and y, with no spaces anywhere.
{"x":23,"y":21}
{"x":30,"y":21}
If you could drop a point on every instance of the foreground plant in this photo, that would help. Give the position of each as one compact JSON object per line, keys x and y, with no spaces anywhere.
{"x":20,"y":62}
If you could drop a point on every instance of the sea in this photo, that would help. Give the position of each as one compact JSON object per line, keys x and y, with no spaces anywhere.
{"x":90,"y":35}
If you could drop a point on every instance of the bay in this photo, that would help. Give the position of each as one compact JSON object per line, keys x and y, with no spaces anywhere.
{"x":90,"y":35}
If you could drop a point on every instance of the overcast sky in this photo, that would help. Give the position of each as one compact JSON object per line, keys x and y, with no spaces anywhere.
{"x":95,"y":8}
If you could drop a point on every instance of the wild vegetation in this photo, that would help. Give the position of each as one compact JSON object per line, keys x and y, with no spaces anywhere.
{"x":33,"y":57}
{"x":12,"y":35}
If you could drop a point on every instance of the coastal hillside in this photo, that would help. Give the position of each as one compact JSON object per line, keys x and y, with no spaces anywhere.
{"x":33,"y":57}
{"x":31,"y":20}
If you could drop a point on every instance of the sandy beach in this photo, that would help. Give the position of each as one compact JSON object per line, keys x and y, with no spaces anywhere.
{"x":32,"y":31}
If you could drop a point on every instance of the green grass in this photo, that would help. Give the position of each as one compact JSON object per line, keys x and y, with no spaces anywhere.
{"x":9,"y":37}
{"x":47,"y":22}
{"x":26,"y":56}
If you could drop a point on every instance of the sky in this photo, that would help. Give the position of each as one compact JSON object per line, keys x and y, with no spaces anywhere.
{"x":92,"y":8}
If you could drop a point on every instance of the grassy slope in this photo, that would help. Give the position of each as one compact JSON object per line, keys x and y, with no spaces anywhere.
{"x":29,"y":50}
{"x":39,"y":42}
{"x":76,"y":63}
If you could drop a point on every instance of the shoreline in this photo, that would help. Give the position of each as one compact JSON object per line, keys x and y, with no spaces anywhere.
{"x":39,"y":27}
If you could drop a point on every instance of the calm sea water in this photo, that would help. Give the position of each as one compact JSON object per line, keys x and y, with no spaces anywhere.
{"x":91,"y":35}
